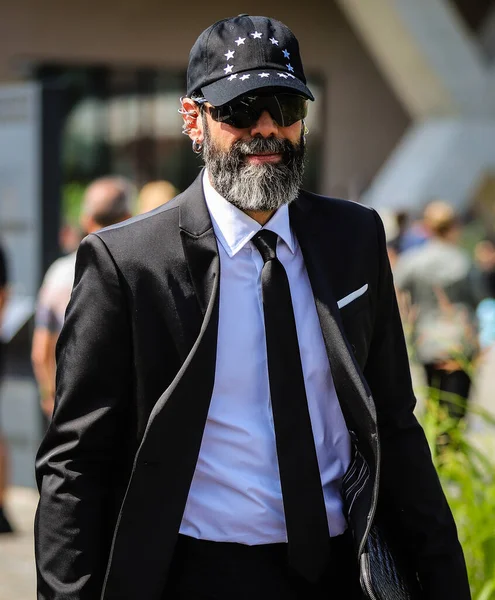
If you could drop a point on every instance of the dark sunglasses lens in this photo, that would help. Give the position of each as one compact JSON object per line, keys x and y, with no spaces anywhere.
{"x":285,"y":109}
{"x":237,"y":114}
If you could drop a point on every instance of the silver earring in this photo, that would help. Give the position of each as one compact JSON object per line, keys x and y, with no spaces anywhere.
{"x":305,"y":131}
{"x":197,"y":147}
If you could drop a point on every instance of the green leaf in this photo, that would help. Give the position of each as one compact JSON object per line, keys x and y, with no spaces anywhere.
{"x":489,"y":551}
{"x":466,"y":467}
{"x":487,"y":592}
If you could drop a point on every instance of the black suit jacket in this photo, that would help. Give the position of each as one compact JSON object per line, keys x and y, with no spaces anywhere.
{"x":136,"y":363}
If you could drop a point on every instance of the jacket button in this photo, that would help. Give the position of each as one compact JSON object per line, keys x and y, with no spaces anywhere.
{"x":353,"y":348}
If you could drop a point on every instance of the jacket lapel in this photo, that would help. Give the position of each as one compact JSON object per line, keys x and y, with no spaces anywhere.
{"x":352,"y":390}
{"x":318,"y":254}
{"x":199,"y":244}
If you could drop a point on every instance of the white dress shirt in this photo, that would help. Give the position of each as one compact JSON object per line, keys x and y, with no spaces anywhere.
{"x":235,"y":494}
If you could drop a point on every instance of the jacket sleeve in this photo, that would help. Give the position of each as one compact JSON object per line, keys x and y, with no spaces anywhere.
{"x":82,"y":453}
{"x":411,"y":497}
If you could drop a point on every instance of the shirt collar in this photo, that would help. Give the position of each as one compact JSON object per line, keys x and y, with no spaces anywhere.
{"x":234,"y":228}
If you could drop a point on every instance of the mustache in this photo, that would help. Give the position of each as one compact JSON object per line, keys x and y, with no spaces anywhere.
{"x":258,"y":145}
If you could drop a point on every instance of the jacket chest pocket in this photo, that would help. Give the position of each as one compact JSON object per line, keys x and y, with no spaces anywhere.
{"x":356,"y":318}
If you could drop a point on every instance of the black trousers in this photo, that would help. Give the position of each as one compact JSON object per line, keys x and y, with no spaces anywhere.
{"x":204,"y":570}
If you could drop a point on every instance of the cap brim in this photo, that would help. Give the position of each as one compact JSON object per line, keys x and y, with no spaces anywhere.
{"x":226,"y":89}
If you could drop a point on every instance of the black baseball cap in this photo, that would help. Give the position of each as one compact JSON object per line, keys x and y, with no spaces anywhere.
{"x":244,"y":53}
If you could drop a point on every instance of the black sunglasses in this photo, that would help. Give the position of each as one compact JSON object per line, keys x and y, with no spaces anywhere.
{"x":285,"y":110}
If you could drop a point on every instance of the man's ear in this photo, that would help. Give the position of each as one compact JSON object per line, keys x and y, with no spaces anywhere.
{"x":193,"y":122}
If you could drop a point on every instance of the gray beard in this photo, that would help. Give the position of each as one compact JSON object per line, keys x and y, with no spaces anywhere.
{"x":264,"y":187}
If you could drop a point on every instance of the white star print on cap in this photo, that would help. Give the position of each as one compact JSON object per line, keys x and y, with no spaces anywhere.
{"x":266,"y":55}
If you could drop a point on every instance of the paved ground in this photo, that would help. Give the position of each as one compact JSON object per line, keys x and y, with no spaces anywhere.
{"x":17,"y":575}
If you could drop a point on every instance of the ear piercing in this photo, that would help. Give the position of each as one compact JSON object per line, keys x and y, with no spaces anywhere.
{"x":187,"y":125}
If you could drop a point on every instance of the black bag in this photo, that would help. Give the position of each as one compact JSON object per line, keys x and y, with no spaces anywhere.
{"x":384,"y":574}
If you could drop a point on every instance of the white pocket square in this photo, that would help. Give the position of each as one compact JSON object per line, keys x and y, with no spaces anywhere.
{"x":352,"y":296}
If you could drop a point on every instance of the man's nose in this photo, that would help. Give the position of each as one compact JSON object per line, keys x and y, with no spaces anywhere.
{"x":265,"y":125}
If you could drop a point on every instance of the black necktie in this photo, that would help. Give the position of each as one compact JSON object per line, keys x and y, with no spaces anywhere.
{"x":304,"y":505}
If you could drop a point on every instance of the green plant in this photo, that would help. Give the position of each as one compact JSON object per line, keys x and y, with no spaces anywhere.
{"x":466,"y":467}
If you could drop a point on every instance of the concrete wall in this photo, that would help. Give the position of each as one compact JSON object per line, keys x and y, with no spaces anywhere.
{"x":363,"y":119}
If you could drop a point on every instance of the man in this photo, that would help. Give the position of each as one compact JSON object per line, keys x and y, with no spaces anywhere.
{"x":201,"y":435}
{"x":444,"y":290}
{"x":5,"y":526}
{"x":106,"y":201}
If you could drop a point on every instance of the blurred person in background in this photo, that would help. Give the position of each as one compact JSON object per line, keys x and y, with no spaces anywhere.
{"x":441,"y":283}
{"x":69,"y":238}
{"x":106,"y":201}
{"x":5,"y":526}
{"x":484,"y":254}
{"x":154,"y":194}
{"x":401,"y":234}
{"x":413,"y":232}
